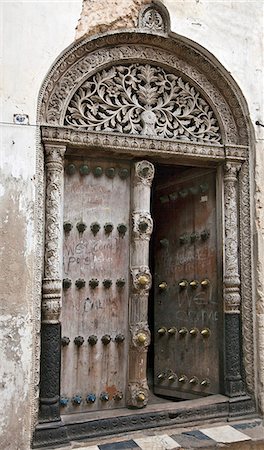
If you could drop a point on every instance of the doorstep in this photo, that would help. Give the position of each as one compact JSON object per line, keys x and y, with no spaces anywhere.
{"x":240,"y":435}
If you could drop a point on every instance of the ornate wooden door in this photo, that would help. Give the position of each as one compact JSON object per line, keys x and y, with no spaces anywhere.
{"x":187,"y":294}
{"x":95,"y":284}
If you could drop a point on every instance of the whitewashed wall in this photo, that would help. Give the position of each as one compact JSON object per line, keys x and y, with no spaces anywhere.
{"x":33,"y":34}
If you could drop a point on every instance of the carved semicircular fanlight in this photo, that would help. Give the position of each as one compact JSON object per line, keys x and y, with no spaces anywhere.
{"x":142,"y":99}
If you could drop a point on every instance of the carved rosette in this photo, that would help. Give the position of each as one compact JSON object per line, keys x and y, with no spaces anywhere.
{"x":144,"y":173}
{"x":51,"y":302}
{"x":140,"y":336}
{"x":141,"y":279}
{"x":142,"y":225}
{"x":138,"y":394}
{"x":231,"y":277}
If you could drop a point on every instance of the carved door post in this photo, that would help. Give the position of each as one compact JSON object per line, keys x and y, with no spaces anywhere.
{"x":140,"y":285}
{"x":51,"y":297}
{"x":234,"y":385}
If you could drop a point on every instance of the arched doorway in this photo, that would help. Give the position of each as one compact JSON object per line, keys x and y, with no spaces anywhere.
{"x":111,"y":114}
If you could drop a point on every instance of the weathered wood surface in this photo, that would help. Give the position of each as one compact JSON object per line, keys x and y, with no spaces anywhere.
{"x":99,"y":311}
{"x":185,"y":207}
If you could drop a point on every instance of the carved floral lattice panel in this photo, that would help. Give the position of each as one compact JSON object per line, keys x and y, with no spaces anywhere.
{"x":142,"y":99}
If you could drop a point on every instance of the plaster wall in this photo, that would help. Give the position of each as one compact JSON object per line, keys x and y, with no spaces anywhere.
{"x":33,"y":34}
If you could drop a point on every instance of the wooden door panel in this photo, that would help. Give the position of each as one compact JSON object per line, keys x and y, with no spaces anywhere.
{"x":98,"y":257}
{"x":186,"y":293}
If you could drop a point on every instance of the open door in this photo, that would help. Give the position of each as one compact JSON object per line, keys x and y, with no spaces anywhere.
{"x":187,"y":293}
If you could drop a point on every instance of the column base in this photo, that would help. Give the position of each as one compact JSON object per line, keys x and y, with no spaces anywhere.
{"x":50,"y":434}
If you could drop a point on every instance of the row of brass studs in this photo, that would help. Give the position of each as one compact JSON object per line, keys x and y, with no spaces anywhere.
{"x":90,"y":398}
{"x":194,"y":237}
{"x":93,"y":339}
{"x":97,"y":171}
{"x":172,"y":377}
{"x":95,"y":227}
{"x":188,"y":238}
{"x":172,"y":331}
{"x":183,"y":193}
{"x":183,"y":284}
{"x":93,"y":283}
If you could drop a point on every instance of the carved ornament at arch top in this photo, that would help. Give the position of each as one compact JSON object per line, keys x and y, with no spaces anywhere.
{"x":85,"y":63}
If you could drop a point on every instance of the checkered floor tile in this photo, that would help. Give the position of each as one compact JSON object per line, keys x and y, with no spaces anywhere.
{"x":203,"y":438}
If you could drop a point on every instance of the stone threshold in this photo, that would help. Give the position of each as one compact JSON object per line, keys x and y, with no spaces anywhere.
{"x":93,"y":425}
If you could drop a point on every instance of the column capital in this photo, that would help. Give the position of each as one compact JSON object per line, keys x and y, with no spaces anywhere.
{"x":144,"y":172}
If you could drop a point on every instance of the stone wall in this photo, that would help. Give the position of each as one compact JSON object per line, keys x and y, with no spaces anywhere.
{"x":34,"y":34}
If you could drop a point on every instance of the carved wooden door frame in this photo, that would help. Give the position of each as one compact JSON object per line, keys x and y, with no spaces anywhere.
{"x":151,"y":47}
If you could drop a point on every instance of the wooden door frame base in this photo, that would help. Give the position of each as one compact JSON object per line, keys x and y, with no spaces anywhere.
{"x":85,"y":426}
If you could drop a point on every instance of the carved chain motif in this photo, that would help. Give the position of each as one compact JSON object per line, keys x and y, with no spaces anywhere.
{"x":142,"y":99}
{"x":51,"y":301}
{"x":231,"y":278}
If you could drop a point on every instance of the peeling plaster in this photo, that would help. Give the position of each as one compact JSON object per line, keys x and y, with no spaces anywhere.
{"x":98,"y":17}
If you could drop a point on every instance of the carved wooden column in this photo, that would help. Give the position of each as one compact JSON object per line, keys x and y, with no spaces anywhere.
{"x":140,"y":285}
{"x":234,"y":385}
{"x":51,"y":300}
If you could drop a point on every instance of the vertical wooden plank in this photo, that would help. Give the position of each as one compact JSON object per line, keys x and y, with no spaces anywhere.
{"x":95,"y":198}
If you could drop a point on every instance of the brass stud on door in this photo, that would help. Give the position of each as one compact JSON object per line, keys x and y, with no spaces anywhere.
{"x":183,"y":379}
{"x":80,"y":283}
{"x":162,"y":331}
{"x":84,"y":170}
{"x":70,"y":169}
{"x":161,"y":376}
{"x":120,"y":282}
{"x":122,"y":229}
{"x":183,"y":331}
{"x":123,"y":173}
{"x":95,"y":227}
{"x":141,"y":397}
{"x":107,"y":283}
{"x":81,"y":226}
{"x":205,"y":235}
{"x":104,"y":396}
{"x":108,"y":227}
{"x":66,"y":283}
{"x":194,"y":237}
{"x":194,"y":380}
{"x":172,"y":377}
{"x":64,"y":401}
{"x":163,"y":286}
{"x":184,"y":239}
{"x":183,"y":284}
{"x":98,"y":171}
{"x":164,"y":243}
{"x":205,"y":382}
{"x":142,"y":338}
{"x":78,"y":340}
{"x":106,"y":339}
{"x":93,"y":283}
{"x":143,"y":226}
{"x":67,"y":226}
{"x":118,"y":396}
{"x":77,"y":400}
{"x":110,"y":172}
{"x":119,"y":338}
{"x":172,"y":331}
{"x":194,"y":284}
{"x":205,"y":283}
{"x":92,"y":340}
{"x":205,"y":332}
{"x":193,"y":332}
{"x":90,"y":398}
{"x":65,"y":340}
